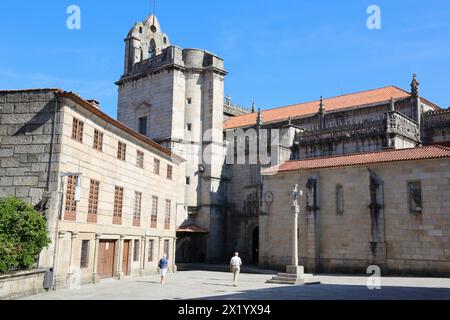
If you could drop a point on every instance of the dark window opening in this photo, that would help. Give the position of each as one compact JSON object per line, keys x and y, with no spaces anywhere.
{"x":143,"y":126}
{"x":415,"y":197}
{"x":84,"y":261}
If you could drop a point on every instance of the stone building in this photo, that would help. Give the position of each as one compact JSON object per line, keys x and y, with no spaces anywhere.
{"x":373,"y":120}
{"x":175,"y":97}
{"x":387,"y":208}
{"x":110,"y":195}
{"x":171,"y":107}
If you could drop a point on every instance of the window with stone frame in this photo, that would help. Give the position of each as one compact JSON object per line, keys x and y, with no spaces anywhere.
{"x":169,"y":172}
{"x":154,"y":215}
{"x":339,"y":200}
{"x":136,"y":251}
{"x":71,"y":204}
{"x":168,"y":213}
{"x":167,"y":248}
{"x":121,"y":151}
{"x":93,"y":201}
{"x":156,"y":166}
{"x":151,"y":246}
{"x":415,"y":197}
{"x":118,"y":205}
{"x":84,"y":259}
{"x":137,"y":209}
{"x":77,"y":130}
{"x":98,"y":140}
{"x":140,"y":159}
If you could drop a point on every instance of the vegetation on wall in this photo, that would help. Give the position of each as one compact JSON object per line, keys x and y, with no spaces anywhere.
{"x":23,"y":235}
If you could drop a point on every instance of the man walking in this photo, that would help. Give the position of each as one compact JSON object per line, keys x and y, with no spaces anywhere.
{"x":163,"y":266}
{"x":235,"y":266}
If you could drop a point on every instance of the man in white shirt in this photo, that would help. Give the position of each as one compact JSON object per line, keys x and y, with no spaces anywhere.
{"x":235,"y":266}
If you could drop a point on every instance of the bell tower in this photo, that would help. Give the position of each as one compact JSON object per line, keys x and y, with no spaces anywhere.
{"x":175,"y":96}
{"x":144,"y":41}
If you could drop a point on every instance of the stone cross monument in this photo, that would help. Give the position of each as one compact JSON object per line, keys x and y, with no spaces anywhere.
{"x":296,"y":193}
{"x":295,"y":274}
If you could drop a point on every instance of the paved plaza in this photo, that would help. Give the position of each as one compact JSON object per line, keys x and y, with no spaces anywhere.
{"x":210,"y":285}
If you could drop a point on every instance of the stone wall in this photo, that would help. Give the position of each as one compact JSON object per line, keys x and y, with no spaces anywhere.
{"x":20,"y":284}
{"x":407,"y":243}
{"x":26,"y":142}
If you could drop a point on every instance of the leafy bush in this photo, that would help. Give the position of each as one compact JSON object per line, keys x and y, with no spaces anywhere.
{"x":23,"y":234}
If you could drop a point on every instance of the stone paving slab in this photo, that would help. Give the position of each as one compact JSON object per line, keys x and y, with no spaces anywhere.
{"x":206,"y":285}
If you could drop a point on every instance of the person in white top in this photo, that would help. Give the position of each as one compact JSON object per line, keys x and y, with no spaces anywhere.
{"x":235,"y":266}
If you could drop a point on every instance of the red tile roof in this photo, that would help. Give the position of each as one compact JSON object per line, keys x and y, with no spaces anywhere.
{"x":192,"y":229}
{"x":358,"y":99}
{"x":422,"y":153}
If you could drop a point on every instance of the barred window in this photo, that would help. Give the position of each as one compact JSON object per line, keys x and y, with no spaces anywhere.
{"x":154,"y":216}
{"x":121,"y":151}
{"x":71,"y":204}
{"x":140,"y":159}
{"x":118,"y":203}
{"x":137,"y":247}
{"x":156,"y":165}
{"x":98,"y":140}
{"x":415,"y":197}
{"x":169,"y":172}
{"x":167,"y":218}
{"x":77,"y":130}
{"x":151,"y":244}
{"x":93,"y":201}
{"x":137,"y":209}
{"x":84,"y":260}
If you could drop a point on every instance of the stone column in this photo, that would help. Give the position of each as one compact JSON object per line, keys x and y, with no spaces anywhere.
{"x":72,"y":258}
{"x":58,"y":275}
{"x":295,"y":208}
{"x":95,"y":277}
{"x":142,"y":255}
{"x":120,"y":273}
{"x":174,"y":250}
{"x":74,"y":277}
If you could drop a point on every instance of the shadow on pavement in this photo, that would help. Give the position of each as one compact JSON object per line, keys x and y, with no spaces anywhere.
{"x":337,"y":292}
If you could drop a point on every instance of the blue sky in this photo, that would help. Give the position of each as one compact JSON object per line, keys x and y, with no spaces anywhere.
{"x":277,"y":52}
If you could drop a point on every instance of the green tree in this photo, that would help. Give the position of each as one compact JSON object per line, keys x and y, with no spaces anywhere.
{"x":23,"y":234}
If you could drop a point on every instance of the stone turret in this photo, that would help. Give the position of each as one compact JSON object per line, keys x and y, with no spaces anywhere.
{"x":144,"y":41}
{"x":416,"y":106}
{"x":321,"y":114}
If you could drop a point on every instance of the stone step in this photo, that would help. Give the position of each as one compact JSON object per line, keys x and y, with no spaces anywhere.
{"x":290,"y":275}
{"x":292,"y":281}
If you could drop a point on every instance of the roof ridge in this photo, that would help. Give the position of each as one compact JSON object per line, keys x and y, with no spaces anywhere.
{"x":325,"y":99}
{"x":383,"y":156}
{"x":369,"y":152}
{"x":32,"y":90}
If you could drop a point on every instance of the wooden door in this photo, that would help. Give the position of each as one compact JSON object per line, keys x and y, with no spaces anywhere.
{"x":126,"y":257}
{"x":106,"y":254}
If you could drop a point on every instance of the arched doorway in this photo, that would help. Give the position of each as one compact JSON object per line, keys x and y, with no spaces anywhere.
{"x":255,"y":246}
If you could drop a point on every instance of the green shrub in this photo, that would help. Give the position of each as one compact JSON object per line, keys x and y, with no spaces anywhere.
{"x":23,"y":235}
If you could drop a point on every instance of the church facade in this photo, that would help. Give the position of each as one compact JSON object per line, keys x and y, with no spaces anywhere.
{"x":184,"y":171}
